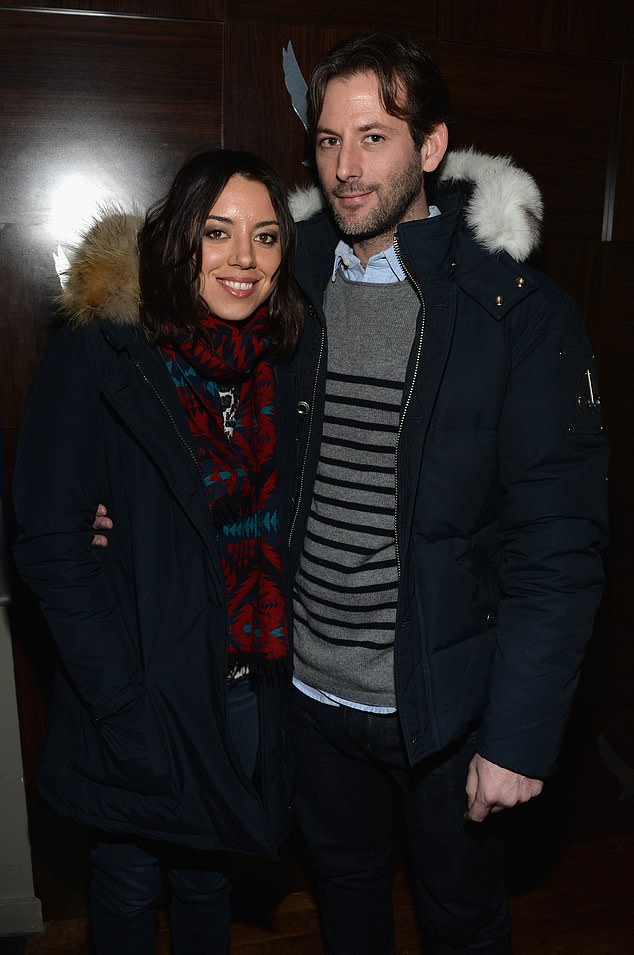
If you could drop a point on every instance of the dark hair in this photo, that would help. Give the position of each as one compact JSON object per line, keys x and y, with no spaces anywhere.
{"x":170,"y":247}
{"x":399,"y":62}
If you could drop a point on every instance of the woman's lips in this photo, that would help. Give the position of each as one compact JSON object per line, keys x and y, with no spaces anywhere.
{"x":240,"y":289}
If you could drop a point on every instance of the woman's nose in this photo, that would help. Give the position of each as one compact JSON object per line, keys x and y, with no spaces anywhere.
{"x":242,"y":253}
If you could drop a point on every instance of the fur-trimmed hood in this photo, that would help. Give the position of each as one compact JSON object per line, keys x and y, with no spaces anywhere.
{"x":102,"y":281}
{"x":504,"y":212}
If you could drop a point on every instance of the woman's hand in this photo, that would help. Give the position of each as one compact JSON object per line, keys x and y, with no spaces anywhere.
{"x":101,"y":523}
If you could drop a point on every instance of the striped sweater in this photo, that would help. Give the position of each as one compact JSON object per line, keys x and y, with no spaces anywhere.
{"x":346,"y":588}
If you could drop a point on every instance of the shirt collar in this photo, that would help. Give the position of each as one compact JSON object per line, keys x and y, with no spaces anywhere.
{"x":381,"y":268}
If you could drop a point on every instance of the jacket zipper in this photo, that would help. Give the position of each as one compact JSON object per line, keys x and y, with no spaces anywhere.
{"x":179,"y":433}
{"x":308,"y":437}
{"x":189,"y":449}
{"x":170,"y":416}
{"x":419,"y":291}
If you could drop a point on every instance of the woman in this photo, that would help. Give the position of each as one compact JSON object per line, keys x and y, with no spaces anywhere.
{"x":162,"y":397}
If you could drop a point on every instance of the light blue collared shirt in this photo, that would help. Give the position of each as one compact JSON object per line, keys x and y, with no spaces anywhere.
{"x":381,"y":268}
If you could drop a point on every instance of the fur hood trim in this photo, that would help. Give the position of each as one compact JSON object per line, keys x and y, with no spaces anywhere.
{"x":504,"y":210}
{"x":102,"y":281}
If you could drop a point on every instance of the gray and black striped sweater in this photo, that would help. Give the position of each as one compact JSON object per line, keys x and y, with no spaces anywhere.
{"x":346,"y":588}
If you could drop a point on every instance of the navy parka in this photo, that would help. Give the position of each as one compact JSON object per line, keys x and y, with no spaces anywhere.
{"x":136,"y":738}
{"x":501,"y":470}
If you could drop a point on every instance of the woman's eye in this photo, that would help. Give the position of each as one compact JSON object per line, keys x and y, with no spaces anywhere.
{"x":328,"y":142}
{"x":215,"y":234}
{"x":267,"y":238}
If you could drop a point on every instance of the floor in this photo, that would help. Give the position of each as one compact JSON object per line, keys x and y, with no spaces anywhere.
{"x":582,"y":905}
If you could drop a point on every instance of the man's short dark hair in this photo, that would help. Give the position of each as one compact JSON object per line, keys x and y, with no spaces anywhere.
{"x":401,"y":64}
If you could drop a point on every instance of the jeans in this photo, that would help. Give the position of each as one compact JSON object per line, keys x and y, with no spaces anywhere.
{"x":127,"y":874}
{"x":350,"y":766}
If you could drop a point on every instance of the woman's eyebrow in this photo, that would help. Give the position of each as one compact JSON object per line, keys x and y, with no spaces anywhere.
{"x":258,"y":225}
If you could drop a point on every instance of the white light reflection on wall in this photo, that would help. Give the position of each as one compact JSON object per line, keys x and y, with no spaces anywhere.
{"x":76,"y":202}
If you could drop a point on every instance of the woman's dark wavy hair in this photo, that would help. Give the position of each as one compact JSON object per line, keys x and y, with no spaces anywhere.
{"x":170,"y":248}
{"x":398,"y":61}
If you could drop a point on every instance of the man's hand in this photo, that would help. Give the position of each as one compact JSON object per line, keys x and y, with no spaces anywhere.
{"x":491,"y":788}
{"x":101,"y":523}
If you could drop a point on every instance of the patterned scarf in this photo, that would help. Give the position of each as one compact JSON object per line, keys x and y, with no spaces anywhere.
{"x":240,"y":475}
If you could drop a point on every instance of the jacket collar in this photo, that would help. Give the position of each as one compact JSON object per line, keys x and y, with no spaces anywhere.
{"x":312,"y":267}
{"x":424,"y":244}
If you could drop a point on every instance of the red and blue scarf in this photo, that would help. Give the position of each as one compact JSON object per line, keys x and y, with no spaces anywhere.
{"x":240,"y":474}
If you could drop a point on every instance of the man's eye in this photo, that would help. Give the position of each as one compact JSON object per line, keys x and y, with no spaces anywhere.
{"x":329,"y":141}
{"x":375,"y":138}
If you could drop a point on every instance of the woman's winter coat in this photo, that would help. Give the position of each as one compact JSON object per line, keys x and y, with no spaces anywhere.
{"x":500,"y":471}
{"x":137,"y":738}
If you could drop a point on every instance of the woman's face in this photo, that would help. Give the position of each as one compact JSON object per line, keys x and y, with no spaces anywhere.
{"x":240,"y":250}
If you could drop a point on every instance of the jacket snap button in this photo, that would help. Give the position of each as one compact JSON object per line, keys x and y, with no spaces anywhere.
{"x":303,"y":407}
{"x":520,"y":281}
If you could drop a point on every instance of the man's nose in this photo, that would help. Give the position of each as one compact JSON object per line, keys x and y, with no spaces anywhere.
{"x":349,"y":164}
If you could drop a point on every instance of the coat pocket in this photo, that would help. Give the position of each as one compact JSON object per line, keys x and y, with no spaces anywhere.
{"x":128,"y":749}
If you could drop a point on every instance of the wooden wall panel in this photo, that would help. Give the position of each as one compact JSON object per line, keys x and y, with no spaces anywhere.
{"x":174,"y":9}
{"x":355,"y":16}
{"x":109,"y":106}
{"x":594,"y":30}
{"x":623,"y":185}
{"x":555,"y":115}
{"x":257,"y":107}
{"x":614,"y":647}
{"x":615,"y":348}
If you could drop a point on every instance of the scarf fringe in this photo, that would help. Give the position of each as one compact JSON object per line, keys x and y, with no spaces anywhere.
{"x":259,"y":668}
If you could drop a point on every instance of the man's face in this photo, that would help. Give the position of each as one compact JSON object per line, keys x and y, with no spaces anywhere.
{"x":370,"y":171}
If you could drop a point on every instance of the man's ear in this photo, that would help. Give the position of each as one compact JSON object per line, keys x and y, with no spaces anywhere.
{"x":434,"y":147}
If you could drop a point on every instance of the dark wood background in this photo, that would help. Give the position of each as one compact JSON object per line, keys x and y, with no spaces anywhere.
{"x":104,"y":103}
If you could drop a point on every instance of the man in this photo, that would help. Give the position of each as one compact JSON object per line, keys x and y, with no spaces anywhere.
{"x":449,"y":513}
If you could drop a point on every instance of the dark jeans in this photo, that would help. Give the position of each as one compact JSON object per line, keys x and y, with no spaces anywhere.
{"x":127,"y":875}
{"x":350,"y":764}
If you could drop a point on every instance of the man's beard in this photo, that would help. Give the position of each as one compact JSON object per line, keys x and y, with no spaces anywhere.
{"x":404,"y":190}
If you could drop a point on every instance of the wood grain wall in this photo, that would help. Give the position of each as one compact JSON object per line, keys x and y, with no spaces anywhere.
{"x":106,"y":101}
